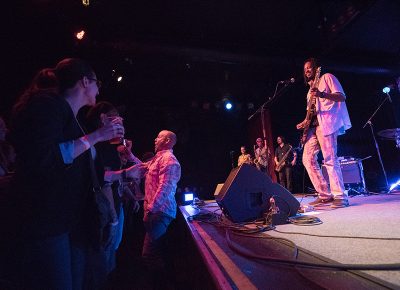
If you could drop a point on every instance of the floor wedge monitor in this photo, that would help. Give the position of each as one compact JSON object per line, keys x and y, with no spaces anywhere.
{"x":246,"y":194}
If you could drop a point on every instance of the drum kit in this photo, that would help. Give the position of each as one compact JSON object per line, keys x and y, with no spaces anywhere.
{"x":391,"y":134}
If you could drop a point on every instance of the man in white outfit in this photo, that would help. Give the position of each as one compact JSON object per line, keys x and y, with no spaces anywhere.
{"x":330,"y":120}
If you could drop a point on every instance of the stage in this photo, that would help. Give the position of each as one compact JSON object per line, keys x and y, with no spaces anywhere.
{"x":367,"y":233}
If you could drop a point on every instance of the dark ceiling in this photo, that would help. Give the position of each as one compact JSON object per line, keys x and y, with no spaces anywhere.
{"x":253,"y":42}
{"x":359,"y":35}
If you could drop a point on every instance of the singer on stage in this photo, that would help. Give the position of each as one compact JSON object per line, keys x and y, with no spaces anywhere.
{"x":330,"y":118}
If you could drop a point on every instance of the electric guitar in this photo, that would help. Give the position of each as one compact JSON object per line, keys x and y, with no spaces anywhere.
{"x":281,"y":163}
{"x":311,"y":109}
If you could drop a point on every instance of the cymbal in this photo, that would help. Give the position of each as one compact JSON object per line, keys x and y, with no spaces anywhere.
{"x":390,"y":133}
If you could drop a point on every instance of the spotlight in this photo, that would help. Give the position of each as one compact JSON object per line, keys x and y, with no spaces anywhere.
{"x":226,"y":102}
{"x":80,"y":35}
{"x":116,"y":75}
{"x":386,"y":90}
{"x":228,"y":106}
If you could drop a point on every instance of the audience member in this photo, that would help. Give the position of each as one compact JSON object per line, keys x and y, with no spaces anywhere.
{"x":100,"y":262}
{"x":52,"y":179}
{"x":164,"y":172}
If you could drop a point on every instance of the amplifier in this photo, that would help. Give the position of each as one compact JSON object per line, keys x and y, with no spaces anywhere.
{"x":352,"y":171}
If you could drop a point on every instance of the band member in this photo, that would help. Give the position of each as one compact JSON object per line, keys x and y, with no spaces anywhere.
{"x":261,"y":154}
{"x":244,"y":157}
{"x":285,"y":158}
{"x":329,"y":119}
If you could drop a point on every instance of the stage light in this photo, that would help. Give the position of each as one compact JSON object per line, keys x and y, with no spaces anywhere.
{"x":228,"y":106}
{"x":226,"y":102}
{"x":85,"y":3}
{"x":117,"y":75}
{"x":386,"y":90}
{"x":394,"y":185}
{"x":80,"y":35}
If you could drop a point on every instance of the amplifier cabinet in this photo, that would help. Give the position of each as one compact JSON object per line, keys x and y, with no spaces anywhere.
{"x":352,"y":172}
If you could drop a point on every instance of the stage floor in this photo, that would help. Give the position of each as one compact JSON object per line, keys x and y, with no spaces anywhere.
{"x":369,"y":216}
{"x":373,"y":216}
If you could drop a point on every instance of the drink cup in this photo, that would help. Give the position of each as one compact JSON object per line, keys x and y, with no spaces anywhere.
{"x":116,"y":140}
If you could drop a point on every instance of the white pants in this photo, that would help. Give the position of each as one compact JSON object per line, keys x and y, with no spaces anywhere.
{"x":315,"y":142}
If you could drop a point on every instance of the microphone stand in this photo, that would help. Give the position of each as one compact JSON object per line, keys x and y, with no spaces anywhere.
{"x":270,"y":100}
{"x":369,"y":122}
{"x":261,"y":110}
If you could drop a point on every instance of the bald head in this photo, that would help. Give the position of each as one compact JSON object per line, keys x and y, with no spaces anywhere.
{"x":165,"y":140}
{"x":170,"y":135}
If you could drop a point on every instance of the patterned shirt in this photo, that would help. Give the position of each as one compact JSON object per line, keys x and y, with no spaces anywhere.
{"x":262,"y":156}
{"x":164,"y":172}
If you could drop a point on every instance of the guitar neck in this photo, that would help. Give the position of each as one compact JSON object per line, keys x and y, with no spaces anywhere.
{"x":311,"y":106}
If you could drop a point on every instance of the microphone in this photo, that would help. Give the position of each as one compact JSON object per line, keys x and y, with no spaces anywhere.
{"x":386,"y":90}
{"x":289,"y":81}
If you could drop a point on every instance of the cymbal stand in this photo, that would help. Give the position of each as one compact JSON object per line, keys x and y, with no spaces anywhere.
{"x":369,"y":122}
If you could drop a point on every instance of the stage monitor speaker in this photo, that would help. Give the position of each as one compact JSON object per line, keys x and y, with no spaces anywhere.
{"x":246,"y":194}
{"x":218,"y":189}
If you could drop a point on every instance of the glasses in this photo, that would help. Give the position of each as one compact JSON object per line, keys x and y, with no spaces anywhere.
{"x":98,"y":83}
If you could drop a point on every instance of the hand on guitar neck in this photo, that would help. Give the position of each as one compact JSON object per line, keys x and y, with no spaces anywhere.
{"x":302,"y":124}
{"x":311,"y":106}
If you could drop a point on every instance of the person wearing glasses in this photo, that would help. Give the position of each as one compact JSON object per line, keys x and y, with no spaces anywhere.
{"x":52,"y":180}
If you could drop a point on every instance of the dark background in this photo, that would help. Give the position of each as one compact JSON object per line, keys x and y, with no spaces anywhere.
{"x":180,"y":59}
